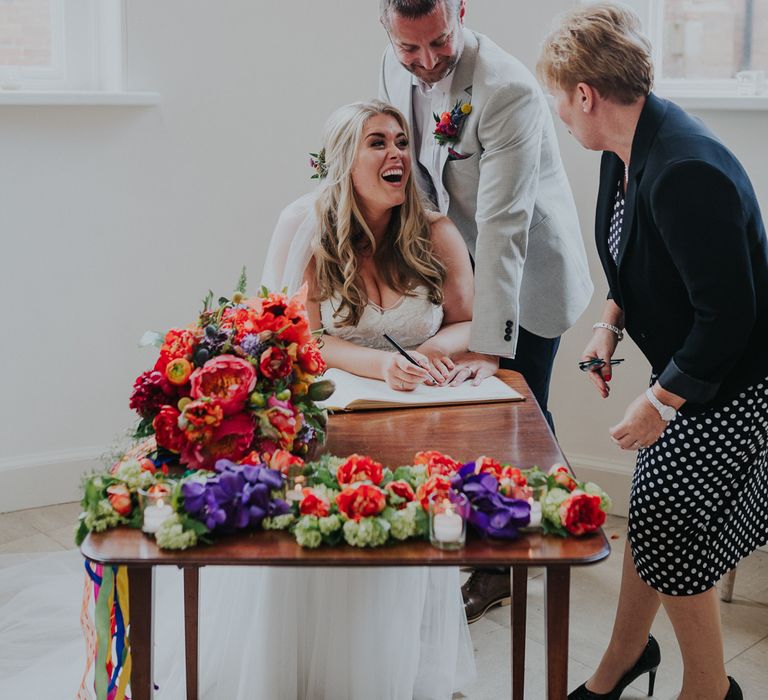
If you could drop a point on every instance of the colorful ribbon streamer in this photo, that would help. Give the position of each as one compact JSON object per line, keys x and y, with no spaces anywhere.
{"x":110,"y":648}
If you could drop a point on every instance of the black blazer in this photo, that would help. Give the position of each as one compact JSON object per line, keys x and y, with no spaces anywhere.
{"x":692,"y":269}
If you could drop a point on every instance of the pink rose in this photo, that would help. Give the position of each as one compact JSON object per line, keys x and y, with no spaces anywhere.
{"x":227,"y":378}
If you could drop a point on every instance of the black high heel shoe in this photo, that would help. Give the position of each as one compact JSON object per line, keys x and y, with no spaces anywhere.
{"x":647,"y":663}
{"x":734,"y":692}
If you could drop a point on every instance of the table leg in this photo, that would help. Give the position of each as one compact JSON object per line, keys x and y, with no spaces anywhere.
{"x":557,"y":585}
{"x":191,"y":618}
{"x":140,"y":580}
{"x":519,"y":581}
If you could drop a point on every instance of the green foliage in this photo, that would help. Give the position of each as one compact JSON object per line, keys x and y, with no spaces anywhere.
{"x":242,"y":281}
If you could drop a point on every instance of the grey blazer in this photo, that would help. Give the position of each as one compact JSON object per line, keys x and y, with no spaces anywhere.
{"x":509,"y":197}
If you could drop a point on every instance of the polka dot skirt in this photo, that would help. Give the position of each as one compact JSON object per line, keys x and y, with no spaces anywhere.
{"x":699,"y":499}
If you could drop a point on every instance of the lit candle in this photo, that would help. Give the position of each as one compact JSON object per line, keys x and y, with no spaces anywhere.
{"x":447,"y":526}
{"x":155,"y":514}
{"x":535,"y":513}
{"x":295,"y":492}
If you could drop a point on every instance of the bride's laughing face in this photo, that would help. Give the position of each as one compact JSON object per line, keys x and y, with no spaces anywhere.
{"x":383,"y":163}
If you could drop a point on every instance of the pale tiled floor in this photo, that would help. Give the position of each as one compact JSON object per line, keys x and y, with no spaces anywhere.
{"x":593,"y":597}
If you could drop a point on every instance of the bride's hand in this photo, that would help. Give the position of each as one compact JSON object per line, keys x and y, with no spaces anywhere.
{"x":402,"y":375}
{"x":439,"y":363}
{"x":474,"y":366}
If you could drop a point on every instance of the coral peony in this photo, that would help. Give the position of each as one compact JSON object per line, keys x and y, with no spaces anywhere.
{"x":227,"y":378}
{"x":361,"y":501}
{"x":359,"y":468}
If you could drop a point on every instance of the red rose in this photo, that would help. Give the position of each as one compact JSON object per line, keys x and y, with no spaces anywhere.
{"x":313,"y":503}
{"x":151,"y":391}
{"x":282,"y":460}
{"x":581,"y":513}
{"x":227,"y":378}
{"x":361,"y":501}
{"x":200,"y":419}
{"x":359,"y":468}
{"x":436,"y":462}
{"x":275,"y":363}
{"x":403,"y":490}
{"x":513,"y":483}
{"x":119,"y":498}
{"x":563,"y":477}
{"x":231,"y":440}
{"x":167,"y":431}
{"x":435,"y":484}
{"x":310,"y":359}
{"x":487,"y":465}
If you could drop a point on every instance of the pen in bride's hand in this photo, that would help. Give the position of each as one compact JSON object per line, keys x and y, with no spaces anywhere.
{"x":398,"y":347}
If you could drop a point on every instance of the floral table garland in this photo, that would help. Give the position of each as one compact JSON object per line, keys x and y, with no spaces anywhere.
{"x":354,"y":499}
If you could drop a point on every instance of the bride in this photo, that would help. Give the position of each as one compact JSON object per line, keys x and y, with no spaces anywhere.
{"x":375,"y":261}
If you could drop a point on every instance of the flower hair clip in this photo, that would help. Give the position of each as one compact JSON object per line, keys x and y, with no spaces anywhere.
{"x":318,"y":164}
{"x":448,"y":124}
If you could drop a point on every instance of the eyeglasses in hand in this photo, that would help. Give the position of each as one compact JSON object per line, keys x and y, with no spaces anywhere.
{"x":597,"y":363}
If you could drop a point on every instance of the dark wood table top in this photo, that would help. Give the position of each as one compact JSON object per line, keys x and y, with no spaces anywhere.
{"x":513,"y":432}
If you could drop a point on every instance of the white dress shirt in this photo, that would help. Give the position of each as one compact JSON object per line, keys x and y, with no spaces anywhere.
{"x":429,"y":100}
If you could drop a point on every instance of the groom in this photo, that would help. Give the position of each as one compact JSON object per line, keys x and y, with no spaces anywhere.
{"x":500,"y":179}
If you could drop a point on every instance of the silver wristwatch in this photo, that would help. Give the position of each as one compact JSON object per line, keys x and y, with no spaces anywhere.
{"x":667,"y":413}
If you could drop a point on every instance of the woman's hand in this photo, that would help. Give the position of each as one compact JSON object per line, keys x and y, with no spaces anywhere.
{"x":402,"y":375}
{"x":602,"y":345}
{"x":473,"y":366}
{"x":641,"y":427}
{"x":441,"y":367}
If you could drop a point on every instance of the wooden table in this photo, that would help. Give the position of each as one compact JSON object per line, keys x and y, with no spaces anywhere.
{"x":510,"y":432}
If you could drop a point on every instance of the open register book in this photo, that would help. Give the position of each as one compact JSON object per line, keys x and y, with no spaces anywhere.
{"x":355,"y":393}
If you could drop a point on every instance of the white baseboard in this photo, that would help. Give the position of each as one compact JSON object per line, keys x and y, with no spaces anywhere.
{"x":614,"y":478}
{"x":45,"y":479}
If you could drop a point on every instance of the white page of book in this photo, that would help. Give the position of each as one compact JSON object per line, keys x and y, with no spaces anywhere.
{"x":352,"y":389}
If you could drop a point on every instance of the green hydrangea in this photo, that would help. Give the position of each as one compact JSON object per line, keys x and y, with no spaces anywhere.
{"x":102,"y":517}
{"x":131,"y":473}
{"x":172,"y":535}
{"x":279,"y":522}
{"x":593,"y":489}
{"x":329,"y":524}
{"x":550,"y":504}
{"x":405,"y":522}
{"x":368,"y":532}
{"x":307,"y":532}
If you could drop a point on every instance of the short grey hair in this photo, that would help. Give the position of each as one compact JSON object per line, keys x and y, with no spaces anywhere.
{"x":414,"y":9}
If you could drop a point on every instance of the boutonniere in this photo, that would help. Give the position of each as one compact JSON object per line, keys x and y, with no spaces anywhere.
{"x":448,"y":124}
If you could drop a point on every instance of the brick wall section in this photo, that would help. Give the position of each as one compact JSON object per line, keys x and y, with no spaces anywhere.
{"x":704,"y":39}
{"x":25,"y":32}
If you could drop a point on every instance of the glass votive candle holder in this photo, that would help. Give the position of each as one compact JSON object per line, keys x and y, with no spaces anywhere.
{"x":295,"y":481}
{"x":448,"y":515}
{"x":156,"y":507}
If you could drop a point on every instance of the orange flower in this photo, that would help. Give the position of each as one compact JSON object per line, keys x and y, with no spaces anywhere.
{"x":179,"y":342}
{"x":435,"y":484}
{"x":227,"y":378}
{"x":361,"y":501}
{"x":359,"y":468}
{"x":201,"y":418}
{"x":487,"y":465}
{"x":402,"y":490}
{"x":177,"y":371}
{"x":282,"y":460}
{"x":436,"y":462}
{"x":119,"y":498}
{"x":310,"y":359}
{"x":563,"y":476}
{"x":314,"y":503}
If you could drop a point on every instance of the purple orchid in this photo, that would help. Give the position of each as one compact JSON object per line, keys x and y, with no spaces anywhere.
{"x":492,"y":514}
{"x":239,"y":496}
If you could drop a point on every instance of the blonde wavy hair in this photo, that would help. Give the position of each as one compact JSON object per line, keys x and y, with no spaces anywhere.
{"x":405,"y":258}
{"x":603,"y":46}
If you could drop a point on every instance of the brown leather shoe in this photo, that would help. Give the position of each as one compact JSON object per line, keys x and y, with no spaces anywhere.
{"x":485,"y":590}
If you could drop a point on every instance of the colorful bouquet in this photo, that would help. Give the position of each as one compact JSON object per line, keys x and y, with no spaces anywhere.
{"x":242,"y":379}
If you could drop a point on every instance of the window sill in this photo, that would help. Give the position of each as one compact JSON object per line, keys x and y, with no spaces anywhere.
{"x":687,"y":100}
{"x":93,"y":98}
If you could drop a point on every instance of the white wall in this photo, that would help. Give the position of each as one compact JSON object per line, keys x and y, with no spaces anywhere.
{"x":118,"y":220}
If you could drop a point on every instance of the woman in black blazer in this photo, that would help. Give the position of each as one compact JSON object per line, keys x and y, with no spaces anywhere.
{"x":684,"y":249}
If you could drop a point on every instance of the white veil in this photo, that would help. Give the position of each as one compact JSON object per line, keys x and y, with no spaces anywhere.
{"x":290,"y":248}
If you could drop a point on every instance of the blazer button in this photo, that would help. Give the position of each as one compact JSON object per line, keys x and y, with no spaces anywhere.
{"x":509,"y":324}
{"x":507,"y":337}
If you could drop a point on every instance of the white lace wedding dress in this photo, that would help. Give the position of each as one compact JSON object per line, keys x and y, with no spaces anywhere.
{"x":272,"y":634}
